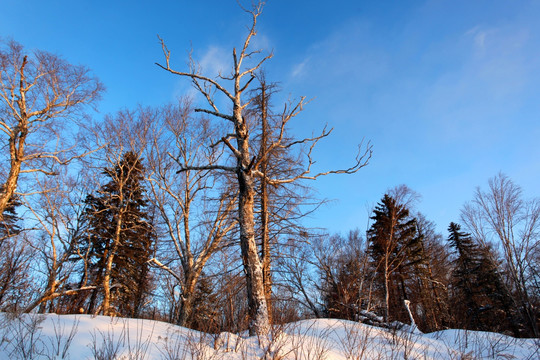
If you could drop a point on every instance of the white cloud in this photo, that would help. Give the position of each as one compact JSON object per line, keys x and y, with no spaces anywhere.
{"x":479,"y":36}
{"x":262,"y":43}
{"x":346,"y":54}
{"x":299,"y":69}
{"x":215,"y":61}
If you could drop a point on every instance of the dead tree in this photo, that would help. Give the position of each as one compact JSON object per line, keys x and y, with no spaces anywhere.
{"x":40,"y":93}
{"x":246,"y":167}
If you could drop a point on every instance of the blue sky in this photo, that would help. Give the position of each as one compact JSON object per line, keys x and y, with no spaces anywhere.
{"x":448,"y":92}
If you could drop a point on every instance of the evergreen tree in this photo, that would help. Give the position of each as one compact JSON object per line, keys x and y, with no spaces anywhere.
{"x":394,"y":248}
{"x":466,"y":304}
{"x":119,"y":240}
{"x":205,"y":316}
{"x":501,"y":314}
{"x":429,"y":289}
{"x":480,"y":299}
{"x":14,"y":260}
{"x":9,"y":219}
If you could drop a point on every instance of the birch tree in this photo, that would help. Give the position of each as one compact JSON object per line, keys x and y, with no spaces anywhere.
{"x":195,"y":206}
{"x":500,"y":215}
{"x":245,"y":166}
{"x":42,"y":97}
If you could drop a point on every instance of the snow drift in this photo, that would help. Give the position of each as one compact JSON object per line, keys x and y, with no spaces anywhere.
{"x":86,"y":337}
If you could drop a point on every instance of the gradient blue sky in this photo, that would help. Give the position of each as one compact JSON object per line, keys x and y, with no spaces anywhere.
{"x":448,"y":92}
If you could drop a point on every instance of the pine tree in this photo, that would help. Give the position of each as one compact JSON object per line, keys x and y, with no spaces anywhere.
{"x":394,"y":248}
{"x":119,"y":240}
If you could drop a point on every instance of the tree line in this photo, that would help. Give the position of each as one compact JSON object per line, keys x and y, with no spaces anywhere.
{"x":482,"y":275}
{"x":192,"y":214}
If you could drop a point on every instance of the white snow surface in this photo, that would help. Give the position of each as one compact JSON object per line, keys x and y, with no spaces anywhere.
{"x":54,"y":336}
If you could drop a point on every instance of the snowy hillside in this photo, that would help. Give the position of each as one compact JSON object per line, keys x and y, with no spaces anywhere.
{"x":87,"y":337}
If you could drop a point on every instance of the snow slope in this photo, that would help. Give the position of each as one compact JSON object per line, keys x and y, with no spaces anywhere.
{"x":86,"y":337}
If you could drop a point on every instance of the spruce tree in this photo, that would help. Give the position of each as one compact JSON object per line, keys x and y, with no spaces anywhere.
{"x":480,"y":298}
{"x":9,"y":219}
{"x":394,"y":248}
{"x":429,"y":289}
{"x":466,"y":304}
{"x":119,"y":240}
{"x":205,"y":316}
{"x":501,"y":313}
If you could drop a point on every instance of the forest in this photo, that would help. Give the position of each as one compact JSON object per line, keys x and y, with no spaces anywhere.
{"x":192,"y":213}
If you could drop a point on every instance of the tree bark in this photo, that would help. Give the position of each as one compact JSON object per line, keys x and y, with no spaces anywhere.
{"x":187,"y":302}
{"x":265,"y":238}
{"x":106,"y":307}
{"x":257,"y":305}
{"x":17,"y":141}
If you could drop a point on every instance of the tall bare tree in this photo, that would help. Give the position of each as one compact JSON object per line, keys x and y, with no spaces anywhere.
{"x":503,"y":217}
{"x":246,"y":167}
{"x":195,"y":207}
{"x":40,"y":93}
{"x":278,"y":208}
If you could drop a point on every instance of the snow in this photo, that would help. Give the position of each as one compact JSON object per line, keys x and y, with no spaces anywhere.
{"x":54,"y":336}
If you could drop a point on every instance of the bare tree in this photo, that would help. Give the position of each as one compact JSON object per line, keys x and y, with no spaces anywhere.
{"x":501,"y":216}
{"x":195,"y":207}
{"x":55,"y":216}
{"x":261,"y":102}
{"x":404,"y":196}
{"x":15,"y":274}
{"x":279,"y":208}
{"x":341,"y":264}
{"x":246,"y":167}
{"x":298,"y":280}
{"x":40,"y":93}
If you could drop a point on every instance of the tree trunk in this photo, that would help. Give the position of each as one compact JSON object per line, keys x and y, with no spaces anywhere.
{"x":17,"y":141}
{"x":186,"y":302}
{"x":386,"y":290}
{"x":266,"y":259}
{"x":265,"y":238}
{"x":258,"y":309}
{"x":16,"y":151}
{"x":106,"y":307}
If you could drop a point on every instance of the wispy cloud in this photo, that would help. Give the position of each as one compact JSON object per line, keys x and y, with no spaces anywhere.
{"x":261,"y":42}
{"x":345,"y":54}
{"x":215,"y":60}
{"x":479,"y":35}
{"x":298,"y":69}
{"x":211,"y":62}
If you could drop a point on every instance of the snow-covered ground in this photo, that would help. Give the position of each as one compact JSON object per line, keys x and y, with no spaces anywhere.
{"x":87,"y":337}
